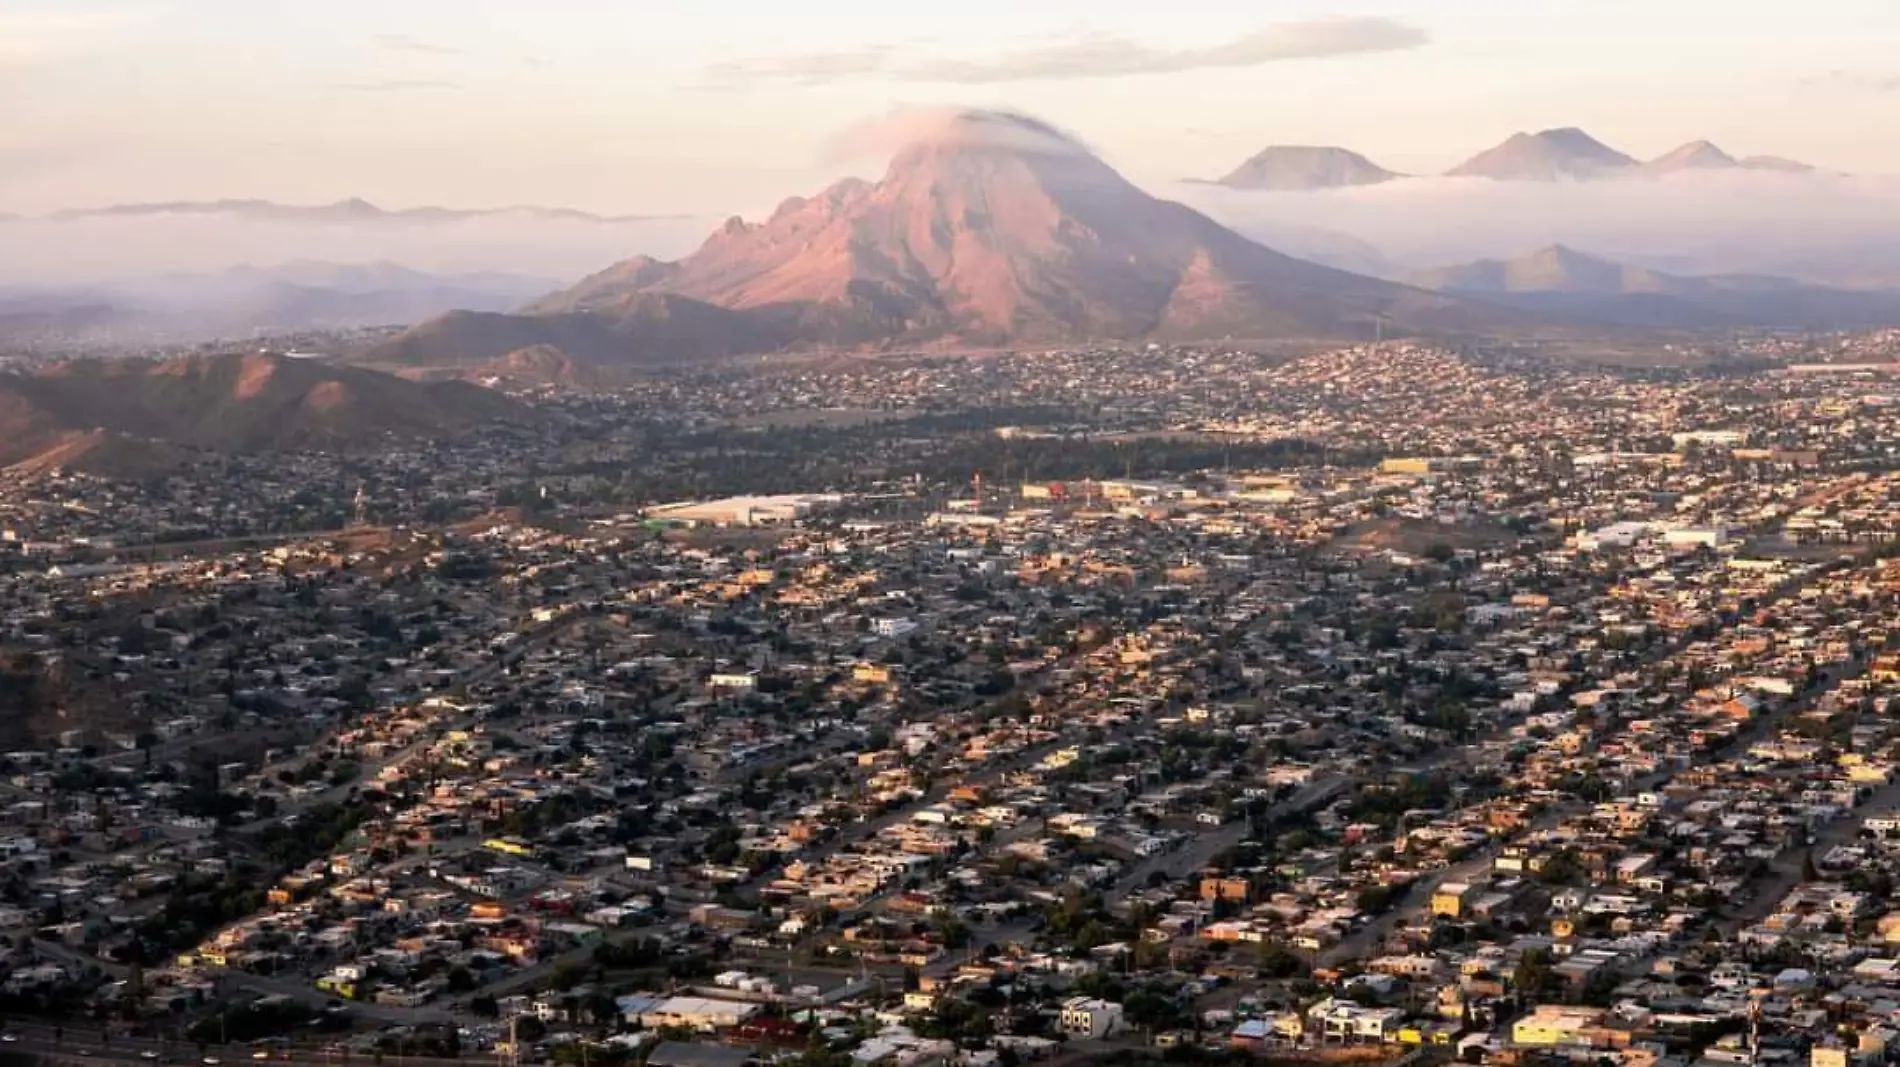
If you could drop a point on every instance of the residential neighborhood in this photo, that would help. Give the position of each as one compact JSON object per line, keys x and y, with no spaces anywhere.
{"x":1341,"y":707}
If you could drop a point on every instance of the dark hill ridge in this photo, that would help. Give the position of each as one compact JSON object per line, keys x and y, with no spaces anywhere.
{"x":230,"y":403}
{"x":1556,"y":269}
{"x":990,"y":229}
{"x":1565,"y":283}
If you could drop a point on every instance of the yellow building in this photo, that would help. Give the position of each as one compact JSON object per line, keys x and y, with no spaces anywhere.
{"x":1556,"y":1024}
{"x":1452,"y":898}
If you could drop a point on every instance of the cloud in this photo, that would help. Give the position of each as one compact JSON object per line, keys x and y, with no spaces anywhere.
{"x":395,"y":86}
{"x":1090,"y":56}
{"x":1819,"y":226}
{"x":812,"y":69}
{"x":28,"y":39}
{"x":402,"y":42}
{"x":43,"y":251}
{"x":1840,"y":79}
{"x":950,"y":126}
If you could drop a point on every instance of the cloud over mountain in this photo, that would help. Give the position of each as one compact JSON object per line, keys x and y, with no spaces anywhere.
{"x":987,"y":228}
{"x":950,"y":127}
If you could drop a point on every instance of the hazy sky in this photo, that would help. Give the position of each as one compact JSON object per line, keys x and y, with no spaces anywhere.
{"x":718,"y":106}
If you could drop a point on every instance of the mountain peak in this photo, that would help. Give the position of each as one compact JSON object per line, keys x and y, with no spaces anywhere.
{"x":987,"y":228}
{"x":1564,"y":152}
{"x":1696,"y":155}
{"x":1291,"y":167}
{"x":1562,"y":253}
{"x":1572,"y":136}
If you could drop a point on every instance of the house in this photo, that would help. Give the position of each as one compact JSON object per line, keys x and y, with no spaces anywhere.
{"x":1090,"y":1018}
{"x":1552,"y":1025}
{"x":697,"y":1013}
{"x":1343,"y":1020}
{"x":1229,"y":888}
{"x":1452,"y":899}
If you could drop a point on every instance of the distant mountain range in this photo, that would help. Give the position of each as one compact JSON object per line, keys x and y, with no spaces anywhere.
{"x":993,"y":229}
{"x":1306,"y":167}
{"x":247,"y":300}
{"x":139,"y":414}
{"x":352,"y":210}
{"x":1545,"y":156}
{"x":1564,"y":154}
{"x":1563,"y":282}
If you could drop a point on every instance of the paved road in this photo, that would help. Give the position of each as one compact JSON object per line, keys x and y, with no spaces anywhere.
{"x":86,"y":1045}
{"x":1197,"y":852}
{"x":534,"y":640}
{"x":296,"y":987}
{"x":67,"y":955}
{"x":1785,"y":869}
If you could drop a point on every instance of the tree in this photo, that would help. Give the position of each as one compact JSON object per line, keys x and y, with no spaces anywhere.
{"x":1375,"y":899}
{"x":1562,"y":869}
{"x":1533,"y":974}
{"x":134,"y":991}
{"x":134,"y":640}
{"x":1146,"y":1008}
{"x":954,"y":933}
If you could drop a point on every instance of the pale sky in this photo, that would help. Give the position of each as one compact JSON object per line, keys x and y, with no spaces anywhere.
{"x":710,"y":107}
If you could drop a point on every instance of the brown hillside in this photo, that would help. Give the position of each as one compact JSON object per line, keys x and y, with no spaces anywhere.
{"x":235,"y":403}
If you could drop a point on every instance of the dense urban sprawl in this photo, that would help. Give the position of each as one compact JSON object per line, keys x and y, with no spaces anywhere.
{"x":1332,"y":707}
